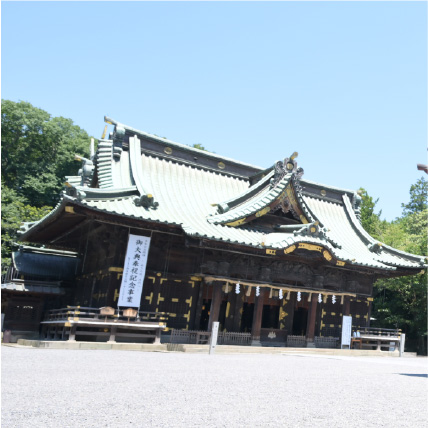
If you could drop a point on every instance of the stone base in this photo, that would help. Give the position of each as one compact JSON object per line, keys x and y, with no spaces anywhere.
{"x":310,"y":344}
{"x":256,"y":342}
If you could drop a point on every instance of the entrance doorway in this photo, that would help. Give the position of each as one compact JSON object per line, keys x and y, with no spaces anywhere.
{"x":270,"y":317}
{"x":300,"y":320}
{"x":247,"y":317}
{"x":205,"y":315}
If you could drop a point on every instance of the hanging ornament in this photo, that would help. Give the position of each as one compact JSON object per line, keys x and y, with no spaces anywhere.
{"x":280,"y":294}
{"x":237,"y":288}
{"x":319,"y":298}
{"x":333,"y":299}
{"x":299,"y":296}
{"x":257,"y":291}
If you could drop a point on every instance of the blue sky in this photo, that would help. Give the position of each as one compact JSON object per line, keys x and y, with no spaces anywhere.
{"x":342,"y":83}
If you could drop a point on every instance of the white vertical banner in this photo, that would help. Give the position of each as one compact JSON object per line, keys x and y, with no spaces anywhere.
{"x":134,"y":271}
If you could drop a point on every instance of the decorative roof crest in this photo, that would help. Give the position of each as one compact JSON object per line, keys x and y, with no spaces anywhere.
{"x":146,"y":201}
{"x":86,"y":171}
{"x":118,"y":136}
{"x":289,"y":166}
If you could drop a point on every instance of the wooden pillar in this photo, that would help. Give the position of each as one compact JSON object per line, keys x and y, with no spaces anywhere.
{"x":215,"y":304}
{"x":346,"y":305}
{"x":257,"y":317}
{"x":199,"y":303}
{"x":231,"y":300}
{"x":310,"y":329}
{"x":237,"y":312}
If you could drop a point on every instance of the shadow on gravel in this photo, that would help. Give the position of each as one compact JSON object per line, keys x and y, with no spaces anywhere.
{"x":413,"y":374}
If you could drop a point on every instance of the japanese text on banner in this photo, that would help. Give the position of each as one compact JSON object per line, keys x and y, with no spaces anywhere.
{"x":134,"y":271}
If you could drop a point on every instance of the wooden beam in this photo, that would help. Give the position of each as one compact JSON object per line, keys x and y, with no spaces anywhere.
{"x":77,"y":226}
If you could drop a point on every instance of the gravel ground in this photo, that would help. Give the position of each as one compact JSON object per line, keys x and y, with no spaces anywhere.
{"x":84,"y":388}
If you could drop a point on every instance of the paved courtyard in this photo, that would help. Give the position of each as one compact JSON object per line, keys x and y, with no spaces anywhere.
{"x":85,"y":388}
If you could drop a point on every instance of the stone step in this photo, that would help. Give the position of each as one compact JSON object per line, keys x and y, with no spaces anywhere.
{"x":57,"y":344}
{"x":204,"y":349}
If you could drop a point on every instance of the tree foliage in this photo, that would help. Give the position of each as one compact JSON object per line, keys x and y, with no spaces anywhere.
{"x":402,"y":302}
{"x":14,"y":211}
{"x":370,"y":220}
{"x":418,"y":198}
{"x":37,"y":153}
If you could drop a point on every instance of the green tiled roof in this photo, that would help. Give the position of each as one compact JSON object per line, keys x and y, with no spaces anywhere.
{"x":254,"y":204}
{"x":203,"y":200}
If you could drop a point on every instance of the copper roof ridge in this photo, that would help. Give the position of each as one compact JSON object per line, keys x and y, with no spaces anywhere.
{"x":166,"y":142}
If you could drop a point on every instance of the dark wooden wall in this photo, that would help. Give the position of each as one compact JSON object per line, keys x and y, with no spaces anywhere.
{"x":174,"y":283}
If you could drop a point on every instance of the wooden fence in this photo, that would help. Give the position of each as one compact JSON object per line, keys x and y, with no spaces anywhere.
{"x":203,"y":337}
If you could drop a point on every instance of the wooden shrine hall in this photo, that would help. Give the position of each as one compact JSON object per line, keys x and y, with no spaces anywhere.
{"x":263,"y":251}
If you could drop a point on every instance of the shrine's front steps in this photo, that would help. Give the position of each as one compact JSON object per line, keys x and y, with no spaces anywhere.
{"x":67,"y":344}
{"x":204,"y":349}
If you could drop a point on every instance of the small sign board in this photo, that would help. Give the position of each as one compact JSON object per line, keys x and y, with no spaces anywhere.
{"x":346,"y":331}
{"x":214,"y":334}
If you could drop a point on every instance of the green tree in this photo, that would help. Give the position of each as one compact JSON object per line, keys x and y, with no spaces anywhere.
{"x":370,"y":220}
{"x":418,"y":197}
{"x":402,"y":302}
{"x":38,"y":151}
{"x":14,"y":212}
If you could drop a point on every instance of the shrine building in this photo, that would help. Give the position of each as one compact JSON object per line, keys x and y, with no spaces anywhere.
{"x":262,"y":251}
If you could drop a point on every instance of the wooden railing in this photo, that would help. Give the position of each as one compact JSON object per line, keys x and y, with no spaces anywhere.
{"x":105,"y":323}
{"x":106,"y":314}
{"x":296,"y":341}
{"x":372,"y":331}
{"x":326,"y":342}
{"x":234,"y":338}
{"x":188,"y":337}
{"x":376,"y":338}
{"x":203,"y":337}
